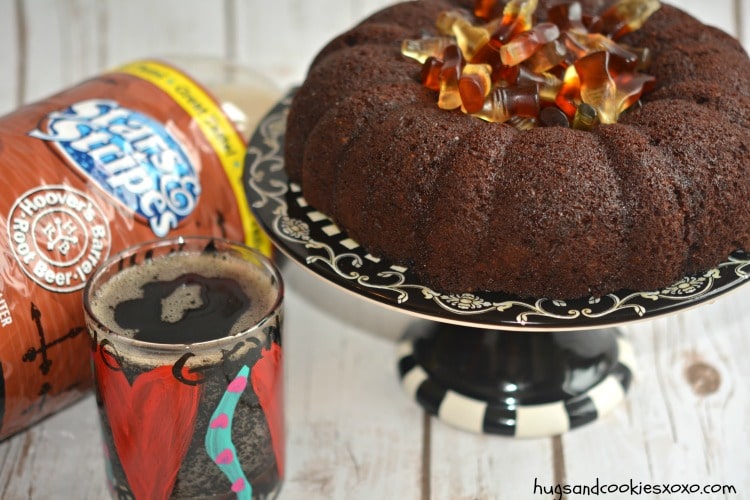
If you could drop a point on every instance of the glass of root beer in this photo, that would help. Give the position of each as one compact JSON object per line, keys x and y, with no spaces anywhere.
{"x":187,"y":362}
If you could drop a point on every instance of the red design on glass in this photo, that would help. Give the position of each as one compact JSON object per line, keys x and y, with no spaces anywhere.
{"x":152,"y":424}
{"x":266,"y":378}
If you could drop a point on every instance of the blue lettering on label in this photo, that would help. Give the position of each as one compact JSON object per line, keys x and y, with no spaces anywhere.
{"x":130,"y":155}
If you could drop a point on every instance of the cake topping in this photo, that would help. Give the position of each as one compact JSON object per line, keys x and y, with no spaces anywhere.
{"x":501,"y":66}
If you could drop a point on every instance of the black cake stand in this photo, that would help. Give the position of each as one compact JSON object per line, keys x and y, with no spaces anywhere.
{"x":488,"y":363}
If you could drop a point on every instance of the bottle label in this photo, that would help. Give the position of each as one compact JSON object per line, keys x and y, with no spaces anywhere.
{"x":58,"y":235}
{"x":218,"y":130}
{"x":129,"y":155}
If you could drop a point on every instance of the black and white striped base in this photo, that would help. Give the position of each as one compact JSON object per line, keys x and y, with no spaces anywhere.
{"x":508,"y":416}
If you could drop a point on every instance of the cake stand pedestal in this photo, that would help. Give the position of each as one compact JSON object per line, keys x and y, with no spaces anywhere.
{"x":514,"y":383}
{"x":491,"y":363}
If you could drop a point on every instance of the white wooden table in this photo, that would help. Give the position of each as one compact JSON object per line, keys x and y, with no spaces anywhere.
{"x":352,"y":434}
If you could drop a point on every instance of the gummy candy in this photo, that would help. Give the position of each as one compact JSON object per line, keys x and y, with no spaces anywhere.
{"x":423,"y":48}
{"x":517,"y":18}
{"x":449,"y":97}
{"x":522,"y":122}
{"x":453,"y":63}
{"x":553,"y":116}
{"x":569,"y":71}
{"x":583,"y":44}
{"x":500,"y":72}
{"x":487,"y":9}
{"x":609,"y":91}
{"x":569,"y":95}
{"x":470,"y":38}
{"x":597,"y":86}
{"x":522,"y":46}
{"x":630,"y":88}
{"x":643,"y":55}
{"x":567,"y":16}
{"x":448,"y":18}
{"x":474,"y":85}
{"x":548,"y":85}
{"x":506,"y":102}
{"x":625,"y":16}
{"x":430,"y":75}
{"x":547,"y":57}
{"x":585,"y":117}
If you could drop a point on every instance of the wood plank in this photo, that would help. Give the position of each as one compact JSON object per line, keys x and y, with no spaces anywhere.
{"x":73,"y":40}
{"x":10,"y":30}
{"x":57,"y":458}
{"x":352,"y":433}
{"x":301,"y":28}
{"x":61,"y":45}
{"x":685,"y":418}
{"x":144,"y":28}
{"x":468,"y":466}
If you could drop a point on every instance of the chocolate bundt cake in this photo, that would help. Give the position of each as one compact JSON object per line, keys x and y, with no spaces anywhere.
{"x":541,"y":211}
